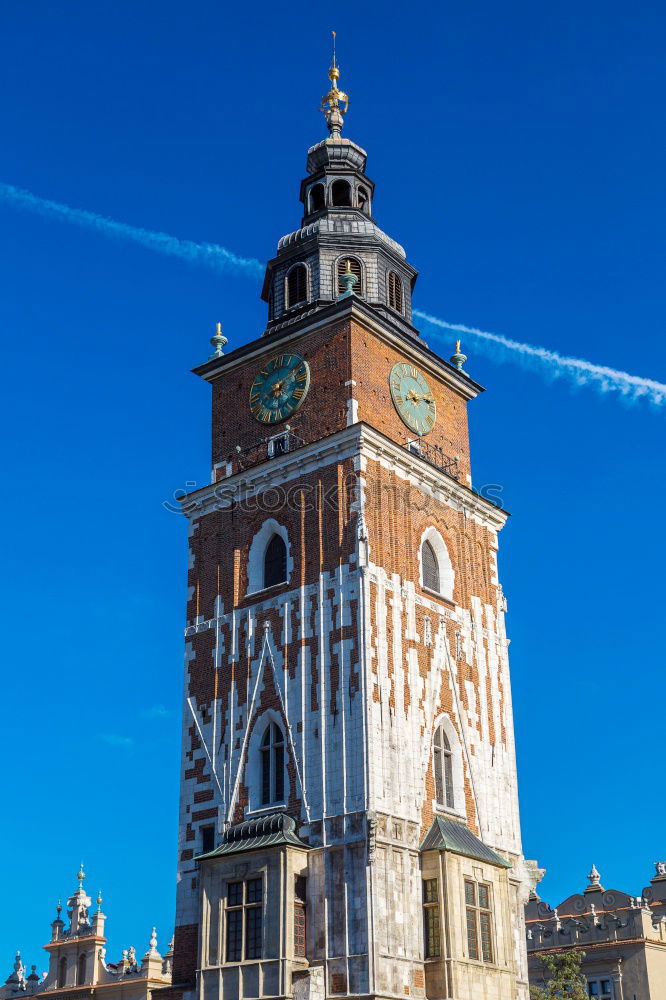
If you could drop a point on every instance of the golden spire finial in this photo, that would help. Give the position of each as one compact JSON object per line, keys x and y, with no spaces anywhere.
{"x":458,"y":359}
{"x":334,"y":104}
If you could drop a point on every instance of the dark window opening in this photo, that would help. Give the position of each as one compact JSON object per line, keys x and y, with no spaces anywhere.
{"x":355,"y":266}
{"x":297,"y":285}
{"x":395,"y":292}
{"x":341,"y":194}
{"x":430,"y":568}
{"x":81,"y":971}
{"x":272,"y":765}
{"x":62,"y":973}
{"x":207,"y":839}
{"x":363,"y":200}
{"x":317,"y":198}
{"x":275,"y":562}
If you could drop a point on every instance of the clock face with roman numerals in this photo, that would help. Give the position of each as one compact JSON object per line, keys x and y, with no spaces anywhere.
{"x":279,"y":388}
{"x":412,"y":398}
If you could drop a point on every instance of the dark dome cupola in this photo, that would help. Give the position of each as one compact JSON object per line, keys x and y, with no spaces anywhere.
{"x":337,"y":234}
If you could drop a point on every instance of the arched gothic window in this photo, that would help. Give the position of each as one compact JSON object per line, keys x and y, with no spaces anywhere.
{"x":355,"y":266}
{"x":395,"y":291}
{"x":275,"y":562}
{"x":62,"y":972}
{"x":81,"y":971}
{"x":443,"y":765}
{"x":272,"y":765}
{"x":317,"y":198}
{"x":297,"y":285}
{"x":341,"y":193}
{"x":430,"y":567}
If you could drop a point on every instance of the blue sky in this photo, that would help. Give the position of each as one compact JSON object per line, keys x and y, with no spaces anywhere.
{"x":518,"y":152}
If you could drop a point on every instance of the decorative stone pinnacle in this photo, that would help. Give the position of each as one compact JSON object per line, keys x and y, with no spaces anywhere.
{"x":81,"y":876}
{"x":58,"y":909}
{"x":99,"y":901}
{"x":218,"y":342}
{"x":334,"y":104}
{"x":349,"y":281}
{"x":458,"y":359}
{"x":594,"y":878}
{"x":153,"y":941}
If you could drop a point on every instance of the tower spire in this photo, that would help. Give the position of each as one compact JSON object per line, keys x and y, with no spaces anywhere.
{"x":334,"y":104}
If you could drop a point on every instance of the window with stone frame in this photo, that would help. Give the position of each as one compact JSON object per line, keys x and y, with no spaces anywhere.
{"x":432,"y":933}
{"x":317,"y":198}
{"x":297,"y":285}
{"x":81,"y":970}
{"x":275,"y":562}
{"x":443,"y":767}
{"x":244,"y":920}
{"x":429,"y":567}
{"x":62,"y":972}
{"x":272,"y":765}
{"x":207,"y":834}
{"x":341,"y":193}
{"x":601,"y":988}
{"x":395,"y":297}
{"x":300,"y":924}
{"x":479,"y":921}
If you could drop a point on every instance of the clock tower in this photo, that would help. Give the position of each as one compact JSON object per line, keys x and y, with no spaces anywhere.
{"x":349,"y":813}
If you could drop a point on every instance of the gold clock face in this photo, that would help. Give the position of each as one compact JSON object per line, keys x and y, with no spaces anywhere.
{"x":412,"y":398}
{"x":279,"y":388}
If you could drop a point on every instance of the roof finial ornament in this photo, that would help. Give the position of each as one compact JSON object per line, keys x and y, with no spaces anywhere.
{"x":218,"y":341}
{"x":594,"y":878}
{"x":81,"y":876}
{"x":458,"y":359}
{"x":348,"y":280}
{"x":334,"y":104}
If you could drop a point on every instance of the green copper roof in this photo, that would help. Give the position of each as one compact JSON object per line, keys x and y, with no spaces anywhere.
{"x":450,"y":835}
{"x":253,"y":834}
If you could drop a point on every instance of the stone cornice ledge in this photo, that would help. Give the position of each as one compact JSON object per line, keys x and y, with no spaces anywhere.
{"x":417,"y":470}
{"x":272,"y":473}
{"x":358,"y":439}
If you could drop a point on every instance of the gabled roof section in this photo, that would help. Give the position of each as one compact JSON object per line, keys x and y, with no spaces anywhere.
{"x":450,"y":835}
{"x":254,"y":834}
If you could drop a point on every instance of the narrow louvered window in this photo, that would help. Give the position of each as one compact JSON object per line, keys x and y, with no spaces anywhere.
{"x":430,"y":568}
{"x":395,"y":291}
{"x":355,"y":267}
{"x":297,"y":285}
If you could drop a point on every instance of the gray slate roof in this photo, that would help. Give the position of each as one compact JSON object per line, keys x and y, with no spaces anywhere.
{"x":253,"y":834}
{"x":450,"y":835}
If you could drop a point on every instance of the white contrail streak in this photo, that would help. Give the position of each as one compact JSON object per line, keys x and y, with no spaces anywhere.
{"x":210,"y":254}
{"x":580,"y":372}
{"x":216,"y":257}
